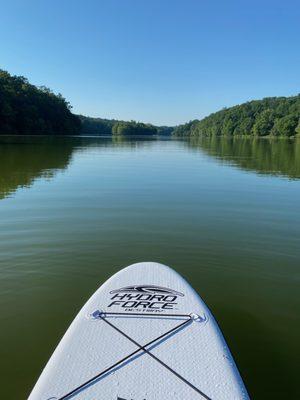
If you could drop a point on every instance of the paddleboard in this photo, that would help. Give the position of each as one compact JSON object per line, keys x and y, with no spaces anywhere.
{"x":144,"y":335}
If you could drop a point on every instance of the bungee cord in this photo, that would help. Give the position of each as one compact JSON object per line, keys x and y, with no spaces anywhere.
{"x":103,"y":316}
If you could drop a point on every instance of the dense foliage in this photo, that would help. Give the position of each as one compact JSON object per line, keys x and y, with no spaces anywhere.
{"x":274,"y":116}
{"x":165,"y":130}
{"x":96,"y":126}
{"x":27,"y":109}
{"x":100,"y":126}
{"x":133,"y":128}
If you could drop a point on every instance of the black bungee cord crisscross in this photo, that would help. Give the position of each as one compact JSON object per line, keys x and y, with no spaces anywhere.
{"x":140,"y":348}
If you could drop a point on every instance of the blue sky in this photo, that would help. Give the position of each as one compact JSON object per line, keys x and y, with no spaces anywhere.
{"x":159,"y":61}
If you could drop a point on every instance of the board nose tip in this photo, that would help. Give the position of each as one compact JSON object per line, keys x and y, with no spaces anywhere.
{"x":147,"y":264}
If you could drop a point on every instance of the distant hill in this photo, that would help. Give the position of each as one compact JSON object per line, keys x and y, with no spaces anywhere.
{"x":101,"y":126}
{"x":28,"y":109}
{"x":272,"y":116}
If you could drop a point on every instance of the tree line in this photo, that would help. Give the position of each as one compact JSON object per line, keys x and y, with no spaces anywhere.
{"x":28,"y":109}
{"x":272,"y":116}
{"x":133,"y":128}
{"x":103,"y":127}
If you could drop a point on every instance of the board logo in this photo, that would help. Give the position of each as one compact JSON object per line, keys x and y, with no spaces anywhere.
{"x":144,"y":298}
{"x":147,"y":289}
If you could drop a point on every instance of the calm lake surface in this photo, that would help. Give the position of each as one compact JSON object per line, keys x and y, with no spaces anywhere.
{"x":224,"y":213}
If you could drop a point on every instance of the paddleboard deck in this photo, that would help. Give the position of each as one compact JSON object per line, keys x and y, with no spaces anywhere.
{"x":144,"y":335}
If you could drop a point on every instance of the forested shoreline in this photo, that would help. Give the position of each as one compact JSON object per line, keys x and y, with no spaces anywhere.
{"x":103,"y":127}
{"x":272,"y":116}
{"x":28,"y":109}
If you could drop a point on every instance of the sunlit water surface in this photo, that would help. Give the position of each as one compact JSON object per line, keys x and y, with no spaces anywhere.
{"x":224,"y":213}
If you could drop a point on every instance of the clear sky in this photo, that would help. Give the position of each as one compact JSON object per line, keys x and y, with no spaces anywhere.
{"x":159,"y":61}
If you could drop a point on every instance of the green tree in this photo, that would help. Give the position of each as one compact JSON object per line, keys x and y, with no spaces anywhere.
{"x":285,"y":126}
{"x":27,"y":109}
{"x":264,"y":123}
{"x":133,"y":128}
{"x":255,"y":117}
{"x":228,"y":127}
{"x":298,"y":128}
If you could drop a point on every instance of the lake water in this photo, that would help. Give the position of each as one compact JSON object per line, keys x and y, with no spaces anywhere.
{"x":224,"y":213}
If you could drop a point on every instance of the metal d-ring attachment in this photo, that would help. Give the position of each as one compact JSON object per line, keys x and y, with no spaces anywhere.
{"x":97,"y":314}
{"x":198,"y":318}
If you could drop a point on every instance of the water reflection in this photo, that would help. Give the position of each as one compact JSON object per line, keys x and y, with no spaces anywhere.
{"x":24,"y":159}
{"x":264,"y":156}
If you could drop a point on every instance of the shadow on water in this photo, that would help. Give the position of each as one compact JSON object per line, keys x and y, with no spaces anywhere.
{"x":278,"y":157}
